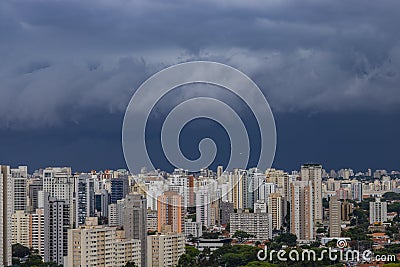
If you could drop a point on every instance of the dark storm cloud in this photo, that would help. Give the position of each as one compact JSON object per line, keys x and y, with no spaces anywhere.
{"x":62,"y":61}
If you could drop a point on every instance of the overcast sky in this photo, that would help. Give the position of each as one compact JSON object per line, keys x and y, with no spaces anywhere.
{"x":329,"y":69}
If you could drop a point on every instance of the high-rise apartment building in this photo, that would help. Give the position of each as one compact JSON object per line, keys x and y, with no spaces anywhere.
{"x":56,"y":225}
{"x":152,"y":220}
{"x":34,"y":187}
{"x":301,"y":210}
{"x":275,"y":207}
{"x":356,"y":190}
{"x":116,"y":213}
{"x":203,"y":200}
{"x":59,"y":184}
{"x":119,"y":188}
{"x":19,"y":178}
{"x":98,"y":245}
{"x":280,"y":179}
{"x":20,"y":228}
{"x":193,"y":229}
{"x":346,"y":211}
{"x":135,"y":221}
{"x":84,"y":198}
{"x":335,"y":228}
{"x":170,"y":211}
{"x":377,"y":211}
{"x":36,"y":231}
{"x":6,"y":201}
{"x":313,"y":173}
{"x":226,"y":208}
{"x":164,"y":250}
{"x":257,"y":224}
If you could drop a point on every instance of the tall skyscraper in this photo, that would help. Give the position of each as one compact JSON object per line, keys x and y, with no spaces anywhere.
{"x":275,"y":207}
{"x":226,"y":208}
{"x":34,"y":186}
{"x":6,"y":201}
{"x":105,"y":200}
{"x":119,"y":188}
{"x":356,"y":190}
{"x":170,"y":211}
{"x":301,"y":210}
{"x":116,"y":213}
{"x":280,"y":179}
{"x":19,"y":178}
{"x":56,"y":225}
{"x":36,"y":231}
{"x":313,"y":173}
{"x":84,"y":198}
{"x":135,"y":221}
{"x":59,"y":184}
{"x":377,"y":211}
{"x":203,"y":206}
{"x":335,"y":228}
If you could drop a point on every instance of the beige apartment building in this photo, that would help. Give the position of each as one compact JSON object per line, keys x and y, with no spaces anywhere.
{"x":98,"y":245}
{"x":20,"y":228}
{"x":164,"y":250}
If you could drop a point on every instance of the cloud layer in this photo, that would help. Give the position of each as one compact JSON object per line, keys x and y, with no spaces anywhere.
{"x":62,"y":61}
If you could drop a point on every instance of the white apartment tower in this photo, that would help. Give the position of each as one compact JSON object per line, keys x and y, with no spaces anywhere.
{"x":19,"y":178}
{"x":377,"y":211}
{"x":203,"y":206}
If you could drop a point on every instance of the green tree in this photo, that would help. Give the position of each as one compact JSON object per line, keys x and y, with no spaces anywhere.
{"x":287,"y":239}
{"x":189,"y":258}
{"x":242,"y":235}
{"x":130,"y":264}
{"x":19,"y":251}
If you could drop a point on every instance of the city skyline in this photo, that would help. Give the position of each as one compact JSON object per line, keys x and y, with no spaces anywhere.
{"x":332,"y":86}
